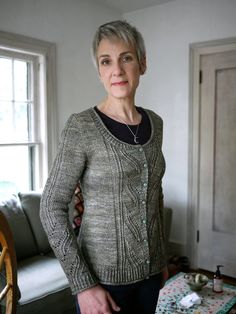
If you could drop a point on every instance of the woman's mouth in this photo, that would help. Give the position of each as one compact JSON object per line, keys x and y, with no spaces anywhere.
{"x":120,"y":83}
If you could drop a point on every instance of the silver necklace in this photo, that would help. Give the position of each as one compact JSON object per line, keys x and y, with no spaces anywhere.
{"x":134,"y":134}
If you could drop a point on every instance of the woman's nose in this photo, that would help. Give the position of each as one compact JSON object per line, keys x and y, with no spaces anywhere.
{"x":117,"y":68}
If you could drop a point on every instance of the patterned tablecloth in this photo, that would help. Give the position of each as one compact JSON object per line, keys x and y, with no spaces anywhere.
{"x":211,"y":303}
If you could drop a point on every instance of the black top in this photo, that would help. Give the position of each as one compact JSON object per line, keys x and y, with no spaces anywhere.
{"x":122,"y":132}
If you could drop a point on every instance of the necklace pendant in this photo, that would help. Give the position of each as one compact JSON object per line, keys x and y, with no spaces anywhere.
{"x":136,"y":139}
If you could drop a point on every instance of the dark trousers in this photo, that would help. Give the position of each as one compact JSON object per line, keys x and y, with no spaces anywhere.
{"x":137,"y":298}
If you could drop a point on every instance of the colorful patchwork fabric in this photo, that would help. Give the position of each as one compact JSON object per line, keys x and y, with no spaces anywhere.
{"x":78,"y":210}
{"x":211,"y":303}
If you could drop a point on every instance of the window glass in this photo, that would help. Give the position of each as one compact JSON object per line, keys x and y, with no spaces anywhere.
{"x":14,"y":169}
{"x":21,"y":125}
{"x":14,"y":124}
{"x":17,"y":162}
{"x":6,"y":88}
{"x":21,"y":81}
{"x":15,"y":114}
{"x":5,"y":121}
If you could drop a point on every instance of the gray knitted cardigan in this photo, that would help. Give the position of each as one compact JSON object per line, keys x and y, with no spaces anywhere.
{"x":121,"y":239}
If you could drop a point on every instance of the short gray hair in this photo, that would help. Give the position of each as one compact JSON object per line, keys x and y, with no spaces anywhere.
{"x":122,"y":30}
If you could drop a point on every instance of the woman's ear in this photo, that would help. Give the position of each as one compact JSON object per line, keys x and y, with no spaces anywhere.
{"x":143,"y":65}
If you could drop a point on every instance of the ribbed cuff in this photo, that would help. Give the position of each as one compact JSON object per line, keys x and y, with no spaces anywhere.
{"x":83,"y":282}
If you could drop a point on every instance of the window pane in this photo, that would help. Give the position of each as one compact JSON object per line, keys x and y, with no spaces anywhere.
{"x":14,"y":122}
{"x":6,"y":90}
{"x":6,"y":127}
{"x":14,"y":169}
{"x":20,"y":80}
{"x":21,"y":122}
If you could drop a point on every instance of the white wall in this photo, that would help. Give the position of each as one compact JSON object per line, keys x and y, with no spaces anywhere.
{"x":71,"y":25}
{"x":168,"y":30}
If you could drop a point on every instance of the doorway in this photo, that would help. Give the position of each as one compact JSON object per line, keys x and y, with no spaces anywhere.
{"x":212,"y":163}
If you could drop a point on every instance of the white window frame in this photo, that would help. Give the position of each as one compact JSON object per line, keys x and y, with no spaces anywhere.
{"x":44,"y":53}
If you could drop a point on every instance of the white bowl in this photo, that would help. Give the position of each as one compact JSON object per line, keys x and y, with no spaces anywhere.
{"x":196,"y":281}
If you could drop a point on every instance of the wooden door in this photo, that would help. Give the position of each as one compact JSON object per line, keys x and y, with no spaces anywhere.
{"x":217,"y":163}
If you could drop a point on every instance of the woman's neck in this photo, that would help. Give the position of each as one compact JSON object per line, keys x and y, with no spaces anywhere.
{"x":122,"y":111}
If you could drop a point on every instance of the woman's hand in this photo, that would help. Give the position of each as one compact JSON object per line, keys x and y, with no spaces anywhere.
{"x":96,"y":300}
{"x":165,"y":276}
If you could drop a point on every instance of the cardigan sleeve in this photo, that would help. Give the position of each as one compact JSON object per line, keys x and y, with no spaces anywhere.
{"x":66,"y":171}
{"x":161,"y":195}
{"x":159,"y":125}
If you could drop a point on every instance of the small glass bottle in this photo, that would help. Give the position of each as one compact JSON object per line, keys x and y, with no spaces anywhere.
{"x":218,"y":280}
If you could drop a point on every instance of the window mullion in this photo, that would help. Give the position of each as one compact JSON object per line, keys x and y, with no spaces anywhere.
{"x":13,"y":96}
{"x":35,"y":100}
{"x":20,"y":144}
{"x":32,"y":167}
{"x":29,"y":101}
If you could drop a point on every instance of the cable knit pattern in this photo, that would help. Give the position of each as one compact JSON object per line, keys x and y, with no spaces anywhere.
{"x":121,"y":237}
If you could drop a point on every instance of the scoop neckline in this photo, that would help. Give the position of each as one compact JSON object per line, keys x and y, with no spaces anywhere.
{"x":104,"y":130}
{"x":119,"y":122}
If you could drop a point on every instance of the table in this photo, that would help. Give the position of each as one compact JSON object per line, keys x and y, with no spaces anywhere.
{"x":212,"y":303}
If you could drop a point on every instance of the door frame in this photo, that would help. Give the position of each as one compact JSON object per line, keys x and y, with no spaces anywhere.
{"x":197,"y":50}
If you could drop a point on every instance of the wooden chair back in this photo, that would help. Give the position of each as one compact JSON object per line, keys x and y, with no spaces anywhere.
{"x":8,"y":261}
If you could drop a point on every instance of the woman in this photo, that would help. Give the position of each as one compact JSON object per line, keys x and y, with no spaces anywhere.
{"x":118,"y":263}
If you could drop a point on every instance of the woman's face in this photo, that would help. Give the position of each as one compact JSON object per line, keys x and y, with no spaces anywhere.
{"x":119,"y":68}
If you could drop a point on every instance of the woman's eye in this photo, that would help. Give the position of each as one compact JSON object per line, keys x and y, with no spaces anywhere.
{"x":127,"y":59}
{"x":105,"y":62}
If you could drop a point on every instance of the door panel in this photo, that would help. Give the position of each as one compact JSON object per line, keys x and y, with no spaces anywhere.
{"x":225,"y":152}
